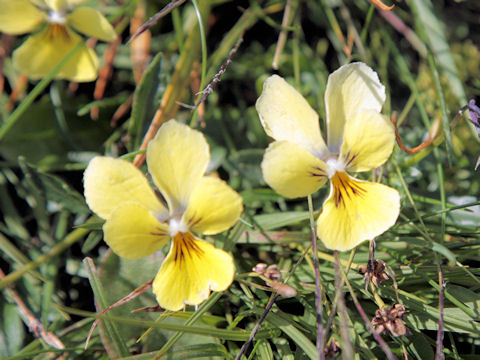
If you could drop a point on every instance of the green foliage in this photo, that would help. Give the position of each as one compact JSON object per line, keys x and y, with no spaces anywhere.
{"x":49,"y":295}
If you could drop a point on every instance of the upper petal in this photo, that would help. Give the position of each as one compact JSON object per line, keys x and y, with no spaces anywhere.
{"x":91,"y":22}
{"x":72,"y":4}
{"x":356,"y":211}
{"x":286,"y":115}
{"x":19,"y":17}
{"x":177,"y":159}
{"x":214,"y":207}
{"x":56,"y":5}
{"x":42,"y":52}
{"x":368,"y":141}
{"x":192,"y":268}
{"x":351,"y":88}
{"x":291,"y":170}
{"x":110,"y":182}
{"x":133,"y":232}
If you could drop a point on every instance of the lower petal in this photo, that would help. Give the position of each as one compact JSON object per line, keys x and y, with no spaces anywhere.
{"x":42,"y":52}
{"x":356,"y":211}
{"x":133,"y":232}
{"x":192,"y":268}
{"x":291,"y":170}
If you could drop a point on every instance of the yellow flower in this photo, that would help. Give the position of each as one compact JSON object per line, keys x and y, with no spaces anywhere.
{"x":55,"y":23}
{"x":138,"y":223}
{"x":299,"y":162}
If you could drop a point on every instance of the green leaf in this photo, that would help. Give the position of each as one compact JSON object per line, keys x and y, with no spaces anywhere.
{"x":285,"y":324}
{"x":146,"y":100}
{"x":439,"y":248}
{"x":119,"y":277}
{"x":37,"y":138}
{"x":278,"y":220}
{"x":54,"y":189}
{"x":224,"y":334}
{"x":92,"y":240}
{"x":114,"y":343}
{"x":187,"y":352}
{"x":421,"y":347}
{"x":105,"y":103}
{"x":97,"y":225}
{"x":259,"y":195}
{"x":466,"y":296}
{"x":435,"y":32}
{"x":12,"y":331}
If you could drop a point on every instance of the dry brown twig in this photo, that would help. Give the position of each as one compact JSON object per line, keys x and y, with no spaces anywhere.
{"x":35,"y":326}
{"x":156,"y":18}
{"x":104,"y":74}
{"x":138,"y":291}
{"x":210,"y":87}
{"x":282,"y":38}
{"x":432,"y":133}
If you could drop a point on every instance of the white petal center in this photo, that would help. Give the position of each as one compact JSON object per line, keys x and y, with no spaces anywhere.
{"x":334,"y":164}
{"x":55,"y":17}
{"x":177,"y":226}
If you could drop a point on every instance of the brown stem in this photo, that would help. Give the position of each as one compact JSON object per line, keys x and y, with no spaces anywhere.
{"x":104,"y":74}
{"x":245,"y":346}
{"x":416,"y":149}
{"x":439,"y":346}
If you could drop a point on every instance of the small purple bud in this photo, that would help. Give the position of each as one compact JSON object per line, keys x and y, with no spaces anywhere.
{"x":474,"y":111}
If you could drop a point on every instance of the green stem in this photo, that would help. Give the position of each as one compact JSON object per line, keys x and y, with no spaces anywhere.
{"x":69,"y":240}
{"x":204,"y":56}
{"x":318,"y":291}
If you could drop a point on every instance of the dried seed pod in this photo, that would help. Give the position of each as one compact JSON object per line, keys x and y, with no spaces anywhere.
{"x":283,"y":289}
{"x":273,"y":273}
{"x":332,"y":349}
{"x":375,"y":272}
{"x":391,"y":320}
{"x":260,"y":268}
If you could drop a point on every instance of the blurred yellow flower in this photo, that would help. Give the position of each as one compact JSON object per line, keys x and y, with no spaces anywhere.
{"x":54,"y":24}
{"x":299,"y":162}
{"x":138,"y":223}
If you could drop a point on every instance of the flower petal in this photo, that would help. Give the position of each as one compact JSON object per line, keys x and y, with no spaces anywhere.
{"x":214,"y":207}
{"x":177,"y":159}
{"x":291,"y":170}
{"x":91,"y":22}
{"x":19,"y":17}
{"x":109,"y":182}
{"x":72,"y":4}
{"x":56,"y":5}
{"x":367,"y":141}
{"x":286,"y":115}
{"x":133,"y":232}
{"x":351,"y":88}
{"x":192,"y":268}
{"x":42,"y":52}
{"x":356,"y":211}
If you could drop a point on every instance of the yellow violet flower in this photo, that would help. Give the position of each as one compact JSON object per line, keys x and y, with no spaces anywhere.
{"x":55,"y":24}
{"x":299,"y":162}
{"x":138,"y":223}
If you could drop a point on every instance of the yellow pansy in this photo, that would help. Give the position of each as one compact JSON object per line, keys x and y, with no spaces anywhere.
{"x":54,"y":24}
{"x":138,"y":222}
{"x":299,"y":162}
